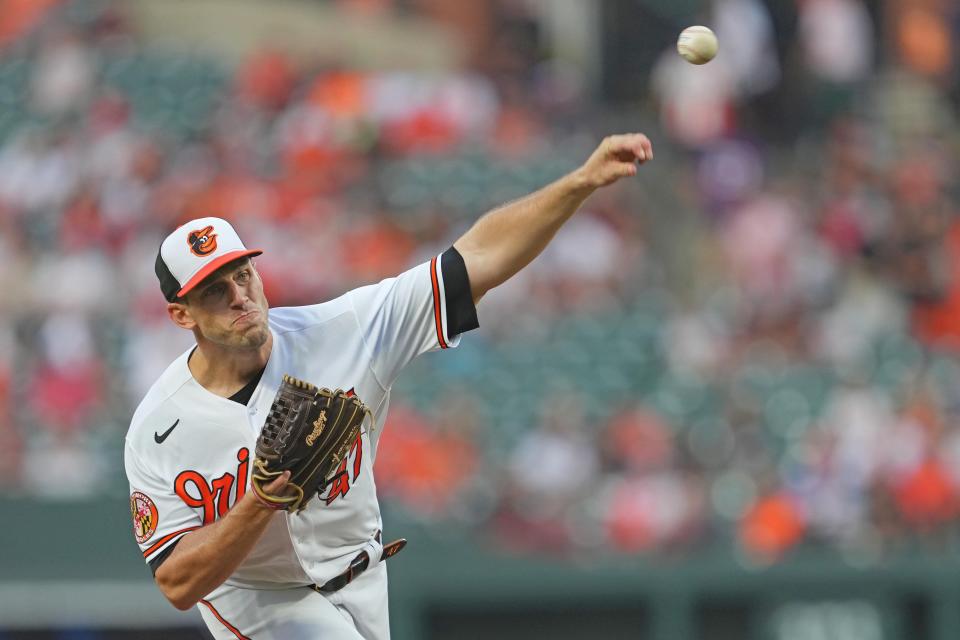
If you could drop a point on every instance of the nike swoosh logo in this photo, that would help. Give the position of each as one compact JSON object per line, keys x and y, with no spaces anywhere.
{"x":160,"y":438}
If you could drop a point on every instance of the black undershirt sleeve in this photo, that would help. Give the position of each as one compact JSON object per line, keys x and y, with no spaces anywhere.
{"x":158,"y":559}
{"x":461,"y":312}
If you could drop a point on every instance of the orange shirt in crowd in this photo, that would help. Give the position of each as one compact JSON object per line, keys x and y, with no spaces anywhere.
{"x":926,"y":496}
{"x":939,"y":323}
{"x":772,"y":526}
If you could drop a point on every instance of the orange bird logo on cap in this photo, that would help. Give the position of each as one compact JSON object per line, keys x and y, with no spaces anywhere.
{"x":203,"y":241}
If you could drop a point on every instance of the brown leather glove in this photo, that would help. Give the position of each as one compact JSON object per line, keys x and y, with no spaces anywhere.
{"x":308,"y":432}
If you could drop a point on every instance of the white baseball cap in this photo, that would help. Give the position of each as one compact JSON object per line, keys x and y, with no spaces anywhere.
{"x":194,"y":251}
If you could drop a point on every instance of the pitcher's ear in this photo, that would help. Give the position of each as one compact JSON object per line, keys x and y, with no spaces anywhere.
{"x":181,"y":316}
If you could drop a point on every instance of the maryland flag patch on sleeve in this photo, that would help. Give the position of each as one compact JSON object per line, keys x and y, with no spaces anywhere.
{"x":144,"y":513}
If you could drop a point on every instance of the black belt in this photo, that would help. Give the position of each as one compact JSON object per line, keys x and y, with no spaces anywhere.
{"x":358,"y":565}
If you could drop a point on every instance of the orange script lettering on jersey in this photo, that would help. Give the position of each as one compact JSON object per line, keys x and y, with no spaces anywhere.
{"x":213,"y":497}
{"x":342,"y":479}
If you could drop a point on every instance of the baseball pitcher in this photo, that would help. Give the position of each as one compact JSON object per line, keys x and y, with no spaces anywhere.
{"x":250,"y":460}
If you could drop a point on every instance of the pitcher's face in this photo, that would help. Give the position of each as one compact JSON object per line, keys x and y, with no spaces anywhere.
{"x":229,"y":307}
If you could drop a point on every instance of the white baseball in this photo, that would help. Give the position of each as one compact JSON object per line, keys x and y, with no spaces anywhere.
{"x":697,"y":45}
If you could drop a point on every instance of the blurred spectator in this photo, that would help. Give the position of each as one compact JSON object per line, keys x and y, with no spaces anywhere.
{"x":761,"y":239}
{"x":584,"y":263}
{"x":728,"y":173}
{"x":637,"y":440}
{"x":17,"y":17}
{"x":388,"y":248}
{"x":922,"y":488}
{"x":63,"y":466}
{"x":63,"y":75}
{"x":554,"y":460}
{"x":652,"y":511}
{"x":772,"y":526}
{"x":266,"y":79}
{"x":697,"y":105}
{"x":66,"y":388}
{"x":550,"y":469}
{"x":426,"y":465}
{"x":927,"y":498}
{"x":923,"y":36}
{"x":746,"y":31}
{"x":38,"y":171}
{"x":837,"y":40}
{"x":648,"y":502}
{"x":10,"y":441}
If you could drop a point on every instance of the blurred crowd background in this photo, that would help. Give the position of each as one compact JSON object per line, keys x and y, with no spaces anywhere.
{"x":752,"y":345}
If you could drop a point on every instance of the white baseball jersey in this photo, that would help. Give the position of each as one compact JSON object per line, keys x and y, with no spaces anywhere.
{"x":189,"y":452}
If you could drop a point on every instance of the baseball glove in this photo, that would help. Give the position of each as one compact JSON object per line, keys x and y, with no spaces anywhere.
{"x":308,"y":432}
